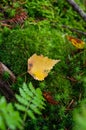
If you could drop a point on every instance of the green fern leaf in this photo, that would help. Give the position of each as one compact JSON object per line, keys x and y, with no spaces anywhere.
{"x":20,"y":107}
{"x":22,"y":100}
{"x":30,"y":114}
{"x":26,"y":89}
{"x":32,"y":88}
{"x":24,"y":94}
{"x":30,"y":100}
{"x":35,"y":109}
{"x":37,"y":102}
{"x":39,"y":94}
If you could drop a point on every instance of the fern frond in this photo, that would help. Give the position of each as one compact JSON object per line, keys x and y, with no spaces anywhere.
{"x":8,"y":116}
{"x":30,"y":100}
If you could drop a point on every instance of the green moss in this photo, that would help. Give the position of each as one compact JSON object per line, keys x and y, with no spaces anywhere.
{"x":18,"y":45}
{"x":6,"y":75}
{"x":42,"y":33}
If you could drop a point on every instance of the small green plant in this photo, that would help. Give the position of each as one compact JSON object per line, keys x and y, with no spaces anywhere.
{"x":80,"y":118}
{"x":30,"y":101}
{"x":9,"y":118}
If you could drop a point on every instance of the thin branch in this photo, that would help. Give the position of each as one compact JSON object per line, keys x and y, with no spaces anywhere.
{"x":3,"y":69}
{"x":70,"y":104}
{"x":74,"y":30}
{"x":5,"y":25}
{"x":5,"y":84}
{"x":77,"y":9}
{"x":7,"y":91}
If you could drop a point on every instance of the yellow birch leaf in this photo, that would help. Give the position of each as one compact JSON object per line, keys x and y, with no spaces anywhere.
{"x":40,"y":66}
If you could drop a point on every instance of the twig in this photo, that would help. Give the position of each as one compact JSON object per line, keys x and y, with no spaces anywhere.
{"x":22,"y":3}
{"x":7,"y":91}
{"x":80,"y":95}
{"x":68,"y":107}
{"x":77,"y":9}
{"x":5,"y":25}
{"x":71,"y":79}
{"x":5,"y":84}
{"x":74,"y":30}
{"x":3,"y":69}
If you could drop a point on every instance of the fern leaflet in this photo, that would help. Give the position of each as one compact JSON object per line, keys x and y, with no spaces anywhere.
{"x":30,"y":100}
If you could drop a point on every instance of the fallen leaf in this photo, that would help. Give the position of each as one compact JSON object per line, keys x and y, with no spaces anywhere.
{"x":76,"y":42}
{"x":40,"y":66}
{"x":49,"y":98}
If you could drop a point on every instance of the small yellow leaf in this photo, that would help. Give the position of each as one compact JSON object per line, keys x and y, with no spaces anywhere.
{"x":40,"y":66}
{"x":76,"y":42}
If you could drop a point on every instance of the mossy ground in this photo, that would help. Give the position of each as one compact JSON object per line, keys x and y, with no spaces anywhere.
{"x":46,"y":36}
